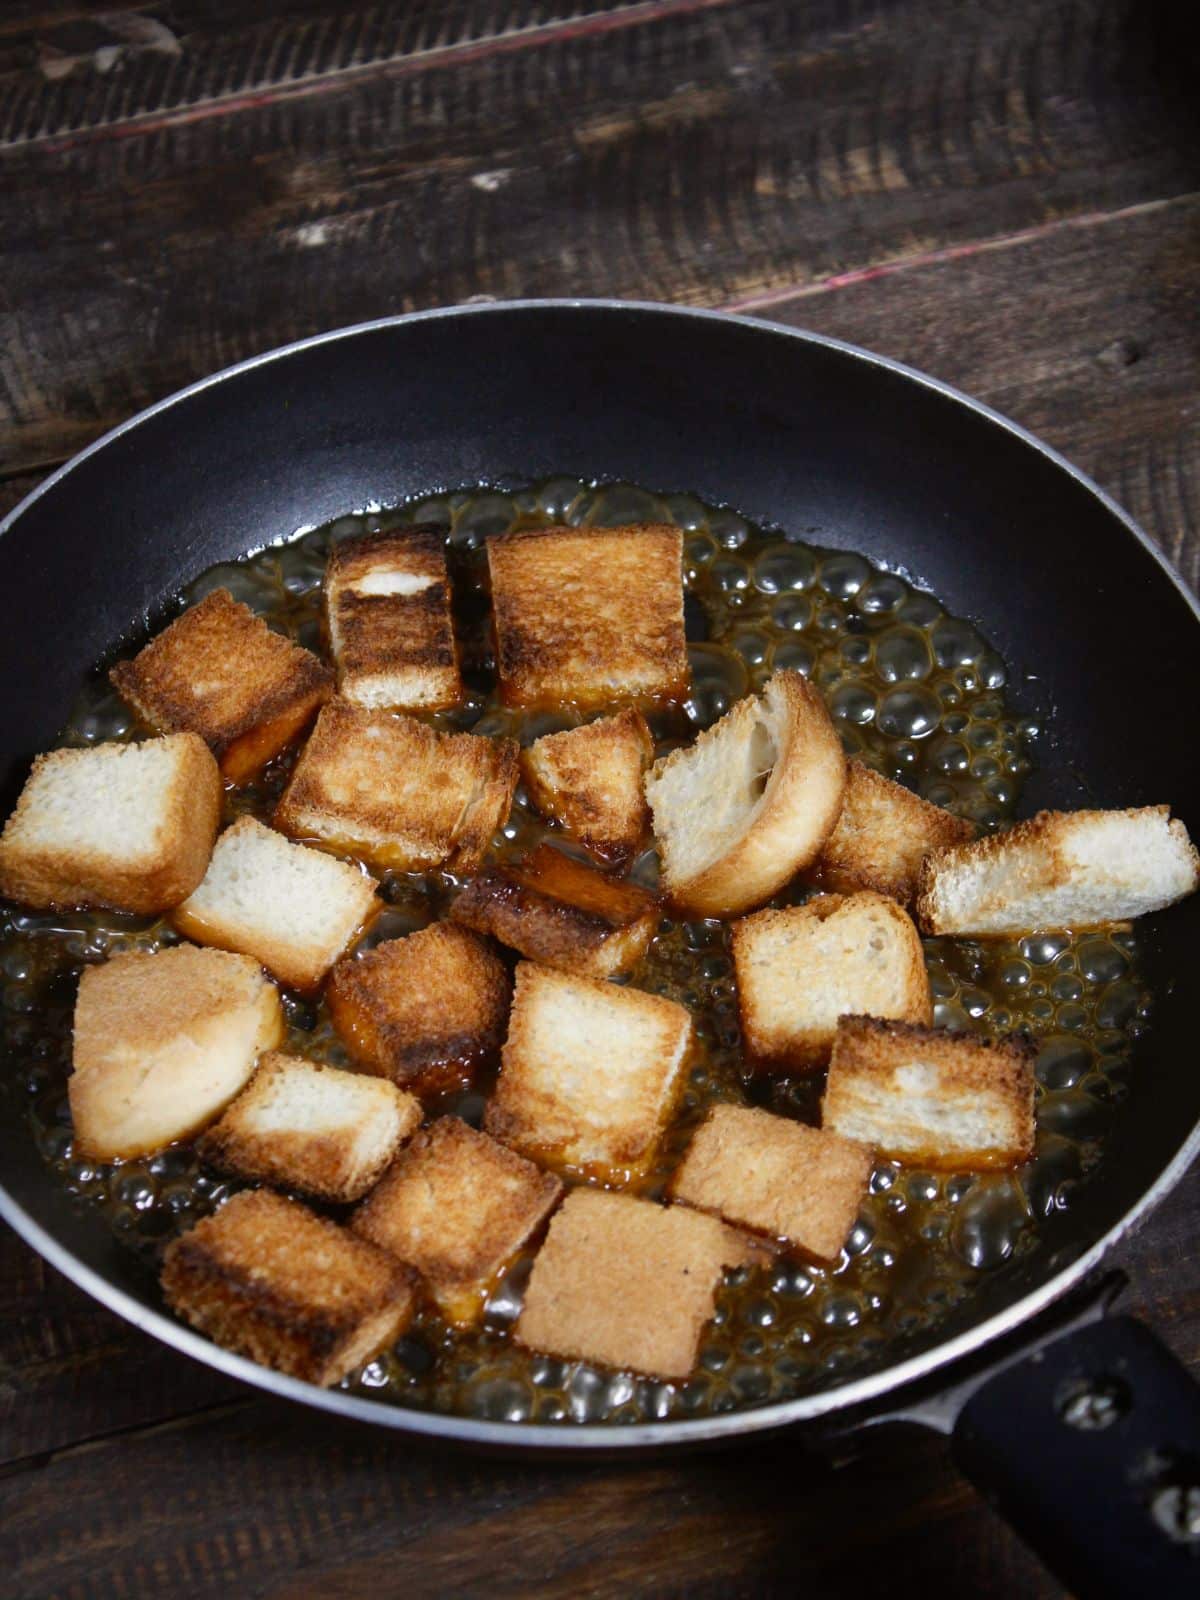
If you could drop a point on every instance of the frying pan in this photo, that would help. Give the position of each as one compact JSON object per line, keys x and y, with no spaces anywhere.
{"x":1079,"y":1425}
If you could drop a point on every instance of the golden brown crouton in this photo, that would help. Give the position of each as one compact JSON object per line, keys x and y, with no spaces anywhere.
{"x":627,"y":1283}
{"x":424,"y":1010}
{"x":558,"y":911}
{"x":589,"y":616}
{"x":589,"y":779}
{"x":800,"y":969}
{"x":313,"y":1128}
{"x":221,"y":672}
{"x":128,"y":826}
{"x":589,"y":1073}
{"x":396,"y":792}
{"x":882,"y":835}
{"x":387,"y":611}
{"x":457,"y":1206}
{"x":799,"y":1185}
{"x":949,"y":1100}
{"x":163,"y":1042}
{"x":267,"y":1278}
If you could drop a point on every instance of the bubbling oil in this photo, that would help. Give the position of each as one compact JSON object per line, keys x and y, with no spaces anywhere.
{"x":916,"y":693}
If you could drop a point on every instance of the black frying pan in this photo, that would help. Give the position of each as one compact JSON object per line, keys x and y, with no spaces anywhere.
{"x":1088,"y":1441}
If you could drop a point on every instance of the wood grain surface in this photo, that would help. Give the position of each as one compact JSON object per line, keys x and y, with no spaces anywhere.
{"x":1007,"y":195}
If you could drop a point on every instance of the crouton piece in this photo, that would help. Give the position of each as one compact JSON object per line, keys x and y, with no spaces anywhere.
{"x":882,"y":835}
{"x":751,"y":803}
{"x":267,"y":1278}
{"x":425,"y":1010}
{"x":949,"y":1100}
{"x":802,"y":1186}
{"x":127,"y":826}
{"x":310,"y":1127}
{"x":627,"y":1283}
{"x":221,"y":672}
{"x":292,"y":908}
{"x":387,"y":611}
{"x":1062,"y":869}
{"x":589,"y":779}
{"x":589,"y":616}
{"x":398,"y":793}
{"x":457,"y":1206}
{"x":558,"y":911}
{"x":799,"y":970}
{"x":163,"y":1042}
{"x":589,"y":1073}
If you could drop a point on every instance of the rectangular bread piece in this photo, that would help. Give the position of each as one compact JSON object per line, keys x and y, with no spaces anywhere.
{"x":387,"y":613}
{"x":589,"y":616}
{"x":589,"y":780}
{"x":267,"y":1278}
{"x":458,"y":1207}
{"x":221,"y":672}
{"x":802,"y":1186}
{"x":425,"y":1010}
{"x":883,"y":834}
{"x":294,"y":909}
{"x":562,"y":913}
{"x":127,"y":826}
{"x":163,"y":1042}
{"x":398,"y":793}
{"x":627,"y":1283}
{"x":302,"y":1125}
{"x":589,"y":1073}
{"x":931,"y":1098}
{"x":800,"y":969}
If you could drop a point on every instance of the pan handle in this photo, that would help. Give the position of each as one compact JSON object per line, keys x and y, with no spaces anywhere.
{"x":1090,"y":1448}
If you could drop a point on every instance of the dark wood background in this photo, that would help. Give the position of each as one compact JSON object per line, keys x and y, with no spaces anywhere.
{"x":1004,"y":192}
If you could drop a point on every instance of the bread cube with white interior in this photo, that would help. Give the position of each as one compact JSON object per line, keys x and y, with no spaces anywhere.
{"x":589,"y":779}
{"x":221,"y":672}
{"x":1061,"y":869}
{"x":292,"y":908}
{"x":458,"y":1207}
{"x":163,"y":1042}
{"x":302,"y":1125}
{"x":125,"y":826}
{"x":921,"y":1095}
{"x":267,"y":1278}
{"x":751,"y":803}
{"x":387,"y":613}
{"x":589,"y":1073}
{"x":800,"y":969}
{"x":882,"y":835}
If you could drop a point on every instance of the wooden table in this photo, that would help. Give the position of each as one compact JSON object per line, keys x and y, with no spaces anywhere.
{"x":1004,"y":195}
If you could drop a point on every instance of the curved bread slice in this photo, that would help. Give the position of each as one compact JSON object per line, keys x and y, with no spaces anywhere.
{"x":589,"y":779}
{"x":882,"y":835}
{"x":751,"y":803}
{"x":1062,"y":869}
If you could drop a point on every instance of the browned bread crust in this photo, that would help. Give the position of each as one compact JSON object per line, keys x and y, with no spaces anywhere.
{"x":589,"y":779}
{"x":882,"y":836}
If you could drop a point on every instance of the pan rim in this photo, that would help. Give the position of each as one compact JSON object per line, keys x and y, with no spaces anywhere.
{"x":566,"y":1437}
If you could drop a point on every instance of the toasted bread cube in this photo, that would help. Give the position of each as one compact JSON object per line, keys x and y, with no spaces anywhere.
{"x":882,"y":835}
{"x":305,"y":1126}
{"x":163,"y":1042}
{"x":801,"y":1186}
{"x":561,"y":912}
{"x":1062,"y":869}
{"x":127,"y":826}
{"x":267,"y":1278}
{"x":292,"y":908}
{"x":398,"y":793}
{"x":751,"y":803}
{"x":458,"y":1207}
{"x":589,"y":779}
{"x":387,"y":611}
{"x":221,"y":672}
{"x":921,"y":1095}
{"x":589,"y":1073}
{"x":627,"y":1283}
{"x":425,"y":1010}
{"x":589,"y":616}
{"x":800,"y":969}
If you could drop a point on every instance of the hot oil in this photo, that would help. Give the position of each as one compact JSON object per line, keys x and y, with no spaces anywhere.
{"x":915,"y":692}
